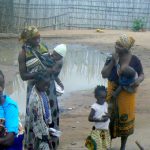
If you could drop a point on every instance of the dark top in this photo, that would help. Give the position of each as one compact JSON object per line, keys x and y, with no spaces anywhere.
{"x":135,"y":63}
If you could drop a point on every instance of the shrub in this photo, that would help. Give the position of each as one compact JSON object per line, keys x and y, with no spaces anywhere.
{"x":138,"y":25}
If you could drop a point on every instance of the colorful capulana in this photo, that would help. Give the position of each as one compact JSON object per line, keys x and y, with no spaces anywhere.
{"x":125,"y":41}
{"x":29,"y":33}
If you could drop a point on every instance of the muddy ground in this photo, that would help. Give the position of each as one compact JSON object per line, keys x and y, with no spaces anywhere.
{"x":74,"y":123}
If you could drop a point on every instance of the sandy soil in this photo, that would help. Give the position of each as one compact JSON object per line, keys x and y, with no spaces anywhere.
{"x":74,"y":123}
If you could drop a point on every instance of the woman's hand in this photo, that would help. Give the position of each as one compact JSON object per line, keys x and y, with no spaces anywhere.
{"x":104,"y":118}
{"x":106,"y":71}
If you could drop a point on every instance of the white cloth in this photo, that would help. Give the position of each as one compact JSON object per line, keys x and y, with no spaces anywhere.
{"x":101,"y":110}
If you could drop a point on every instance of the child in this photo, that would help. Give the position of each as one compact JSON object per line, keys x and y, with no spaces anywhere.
{"x":99,"y":115}
{"x":38,"y":132}
{"x":126,"y":79}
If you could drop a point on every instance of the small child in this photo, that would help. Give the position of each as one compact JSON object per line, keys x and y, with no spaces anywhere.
{"x":39,"y":124}
{"x":126,"y":79}
{"x":99,"y":115}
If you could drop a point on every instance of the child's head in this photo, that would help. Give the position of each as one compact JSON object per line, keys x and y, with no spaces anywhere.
{"x":129,"y":72}
{"x":100,"y":93}
{"x":42,"y":81}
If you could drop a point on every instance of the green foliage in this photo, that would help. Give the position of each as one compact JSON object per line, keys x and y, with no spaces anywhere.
{"x":138,"y":25}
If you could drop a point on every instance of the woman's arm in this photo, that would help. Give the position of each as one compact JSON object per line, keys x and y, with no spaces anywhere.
{"x":141,"y":78}
{"x":138,"y":80}
{"x":57,"y":68}
{"x":116,"y":92}
{"x":139,"y":70}
{"x":108,"y":67}
{"x":22,"y":67}
{"x":7,"y":140}
{"x":58,"y":81}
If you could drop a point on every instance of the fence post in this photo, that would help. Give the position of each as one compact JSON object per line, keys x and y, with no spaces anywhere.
{"x":55,"y":23}
{"x":18,"y":24}
{"x":27,"y":11}
{"x":69,"y":24}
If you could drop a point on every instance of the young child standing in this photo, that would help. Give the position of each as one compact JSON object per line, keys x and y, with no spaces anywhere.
{"x":99,"y":115}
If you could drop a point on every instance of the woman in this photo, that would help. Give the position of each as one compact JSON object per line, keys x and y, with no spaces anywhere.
{"x":34,"y":58}
{"x":10,"y":113}
{"x":123,"y":108}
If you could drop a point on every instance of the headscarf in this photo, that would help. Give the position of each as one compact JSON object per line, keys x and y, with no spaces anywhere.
{"x":29,"y":33}
{"x":125,"y":41}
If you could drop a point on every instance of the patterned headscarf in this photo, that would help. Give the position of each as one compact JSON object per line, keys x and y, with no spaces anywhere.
{"x":29,"y":33}
{"x":125,"y":42}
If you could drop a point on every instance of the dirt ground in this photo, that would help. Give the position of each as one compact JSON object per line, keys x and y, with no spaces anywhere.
{"x":74,"y":123}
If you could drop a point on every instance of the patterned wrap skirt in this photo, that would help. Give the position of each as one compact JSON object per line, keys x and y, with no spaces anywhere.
{"x":122,"y":112}
{"x":98,"y":140}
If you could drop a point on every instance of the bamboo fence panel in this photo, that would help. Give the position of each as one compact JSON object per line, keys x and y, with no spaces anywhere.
{"x":72,"y":14}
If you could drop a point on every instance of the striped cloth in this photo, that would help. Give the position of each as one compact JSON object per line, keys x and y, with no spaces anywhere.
{"x":47,"y":113}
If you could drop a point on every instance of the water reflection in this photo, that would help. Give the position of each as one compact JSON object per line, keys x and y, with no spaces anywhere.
{"x":82,"y":68}
{"x":19,"y":93}
{"x":9,"y":50}
{"x":81,"y":71}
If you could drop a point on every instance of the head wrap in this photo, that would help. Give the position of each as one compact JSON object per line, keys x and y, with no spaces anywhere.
{"x":125,"y":42}
{"x":61,"y":49}
{"x":29,"y":33}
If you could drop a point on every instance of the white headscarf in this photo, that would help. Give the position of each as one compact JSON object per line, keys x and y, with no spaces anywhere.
{"x":61,"y":49}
